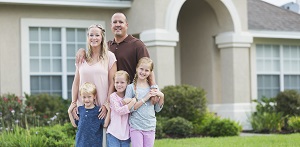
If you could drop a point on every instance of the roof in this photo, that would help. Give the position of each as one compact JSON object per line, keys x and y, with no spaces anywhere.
{"x":268,"y":17}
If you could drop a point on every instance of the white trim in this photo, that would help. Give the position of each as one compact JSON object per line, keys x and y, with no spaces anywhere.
{"x":234,"y":40}
{"x":239,"y":112}
{"x":172,"y":15}
{"x":81,"y":3}
{"x":275,"y":34}
{"x":31,"y":22}
{"x":234,"y":15}
{"x":159,"y":37}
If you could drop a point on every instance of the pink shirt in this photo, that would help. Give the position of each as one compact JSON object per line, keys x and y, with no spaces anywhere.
{"x":98,"y":75}
{"x":119,"y":125}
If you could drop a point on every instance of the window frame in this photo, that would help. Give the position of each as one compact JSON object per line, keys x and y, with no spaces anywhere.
{"x":281,"y":73}
{"x":26,"y":23}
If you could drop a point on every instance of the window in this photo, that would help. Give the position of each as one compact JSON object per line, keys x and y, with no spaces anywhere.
{"x":277,"y":69}
{"x":49,"y":54}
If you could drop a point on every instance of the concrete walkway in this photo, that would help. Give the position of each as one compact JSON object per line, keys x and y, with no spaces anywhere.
{"x":253,"y":134}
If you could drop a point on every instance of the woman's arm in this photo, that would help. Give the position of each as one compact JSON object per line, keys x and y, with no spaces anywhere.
{"x":75,"y":90}
{"x":72,"y":106}
{"x":111,"y":74}
{"x":107,"y":118}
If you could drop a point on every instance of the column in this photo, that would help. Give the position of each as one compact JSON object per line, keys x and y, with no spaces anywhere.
{"x":235,"y":77}
{"x":160,"y":44}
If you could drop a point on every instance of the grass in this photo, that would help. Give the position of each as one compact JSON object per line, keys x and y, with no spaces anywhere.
{"x":287,"y":140}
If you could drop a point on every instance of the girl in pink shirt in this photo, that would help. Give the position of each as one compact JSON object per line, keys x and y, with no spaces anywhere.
{"x":118,"y":129}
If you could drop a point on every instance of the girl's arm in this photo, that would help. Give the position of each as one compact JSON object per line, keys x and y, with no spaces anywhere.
{"x":120,"y":110}
{"x":75,"y":88}
{"x":126,"y":101}
{"x":107,"y":118}
{"x":72,"y":106}
{"x":142,"y":101}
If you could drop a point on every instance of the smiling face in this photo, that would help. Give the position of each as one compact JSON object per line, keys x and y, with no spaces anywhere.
{"x":119,"y":25}
{"x":121,"y":83}
{"x":95,"y":37}
{"x":88,"y":99}
{"x":143,"y":70}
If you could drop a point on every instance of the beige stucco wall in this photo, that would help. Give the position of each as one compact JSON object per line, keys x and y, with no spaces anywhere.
{"x":242,"y":12}
{"x":146,"y":14}
{"x":200,"y":57}
{"x":10,"y":42}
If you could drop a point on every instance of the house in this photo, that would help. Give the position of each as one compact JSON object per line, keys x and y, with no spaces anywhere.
{"x":237,"y":50}
{"x":292,"y":6}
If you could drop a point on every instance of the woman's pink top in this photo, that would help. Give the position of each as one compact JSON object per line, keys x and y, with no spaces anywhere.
{"x":119,"y":125}
{"x":97,"y":74}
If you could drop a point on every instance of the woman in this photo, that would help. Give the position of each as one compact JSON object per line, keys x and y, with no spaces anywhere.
{"x":99,"y":69}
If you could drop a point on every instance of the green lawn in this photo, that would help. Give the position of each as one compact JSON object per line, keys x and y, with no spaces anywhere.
{"x":290,"y":140}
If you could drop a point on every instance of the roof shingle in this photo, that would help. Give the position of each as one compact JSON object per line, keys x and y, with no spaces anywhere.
{"x":264,"y":16}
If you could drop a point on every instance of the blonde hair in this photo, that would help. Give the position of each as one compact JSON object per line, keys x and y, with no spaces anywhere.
{"x":144,"y":60}
{"x":122,"y":73}
{"x":88,"y":88}
{"x":103,"y":46}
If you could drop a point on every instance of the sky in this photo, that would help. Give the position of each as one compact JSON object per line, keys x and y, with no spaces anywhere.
{"x":279,"y":2}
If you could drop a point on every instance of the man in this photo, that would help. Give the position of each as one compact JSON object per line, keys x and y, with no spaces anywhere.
{"x":127,"y":49}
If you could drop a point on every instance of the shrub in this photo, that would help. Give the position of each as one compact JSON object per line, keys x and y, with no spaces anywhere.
{"x":288,"y":102}
{"x":160,"y":124}
{"x":13,"y":111}
{"x":37,"y":110}
{"x":214,"y":126}
{"x":294,"y":124}
{"x":48,"y":109}
{"x":22,"y":138}
{"x":57,"y":135}
{"x":184,"y":101}
{"x":178,"y":127}
{"x":202,"y":123}
{"x":266,"y":119}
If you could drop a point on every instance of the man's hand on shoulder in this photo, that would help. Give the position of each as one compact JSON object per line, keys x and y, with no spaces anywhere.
{"x":80,"y":56}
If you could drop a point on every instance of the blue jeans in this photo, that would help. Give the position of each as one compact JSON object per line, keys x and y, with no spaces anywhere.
{"x":112,"y":141}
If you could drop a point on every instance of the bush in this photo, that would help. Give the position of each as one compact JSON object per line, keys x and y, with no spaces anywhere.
{"x":214,"y":126}
{"x":184,"y":101}
{"x":288,"y":102}
{"x":202,"y":123}
{"x":21,"y":137}
{"x":57,"y":135}
{"x":266,"y":119}
{"x":37,"y":110}
{"x":48,"y":109}
{"x":13,"y":111}
{"x":294,"y":124}
{"x":178,"y":127}
{"x":160,"y":124}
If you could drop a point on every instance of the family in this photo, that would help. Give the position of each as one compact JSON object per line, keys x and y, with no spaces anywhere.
{"x":114,"y":93}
